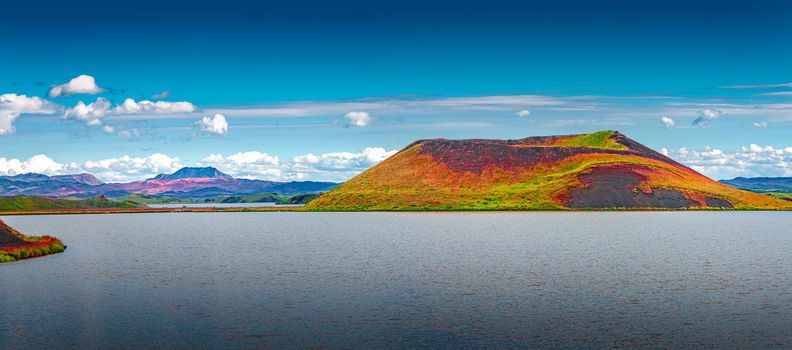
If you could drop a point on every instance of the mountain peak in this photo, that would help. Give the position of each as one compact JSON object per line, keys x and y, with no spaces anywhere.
{"x":83,"y":178}
{"x":193,"y":173}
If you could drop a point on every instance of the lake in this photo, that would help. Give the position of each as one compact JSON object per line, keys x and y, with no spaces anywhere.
{"x":403,"y":280}
{"x":221,"y":205}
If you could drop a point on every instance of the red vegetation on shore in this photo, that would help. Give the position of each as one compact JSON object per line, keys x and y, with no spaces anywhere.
{"x":16,"y":246}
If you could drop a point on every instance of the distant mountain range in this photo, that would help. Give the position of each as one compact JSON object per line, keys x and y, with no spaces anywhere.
{"x":762,"y":184}
{"x":605,"y":169}
{"x":193,"y":183}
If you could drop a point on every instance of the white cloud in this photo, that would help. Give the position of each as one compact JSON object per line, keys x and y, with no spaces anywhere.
{"x":333,"y":166}
{"x":523,"y":113}
{"x":102,"y":108}
{"x":706,"y":116}
{"x":749,"y":161}
{"x":130,"y":133}
{"x":758,"y":86}
{"x":93,"y":114}
{"x":128,"y":168}
{"x":13,"y":105}
{"x":108,"y":129}
{"x":345,"y":160}
{"x":253,"y":164}
{"x":39,"y":163}
{"x":119,"y":169}
{"x":760,"y":125}
{"x":494,"y":101}
{"x":359,"y":119}
{"x":405,"y":105}
{"x":216,"y":124}
{"x":82,"y":84}
{"x":129,"y":106}
{"x":163,"y":94}
{"x":777,"y":93}
{"x":611,"y":122}
{"x":667,"y":121}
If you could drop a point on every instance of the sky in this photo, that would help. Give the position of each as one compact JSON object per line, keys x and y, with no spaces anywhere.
{"x":318,"y":90}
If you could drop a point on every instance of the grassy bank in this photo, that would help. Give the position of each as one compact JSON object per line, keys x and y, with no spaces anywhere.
{"x":148,"y":210}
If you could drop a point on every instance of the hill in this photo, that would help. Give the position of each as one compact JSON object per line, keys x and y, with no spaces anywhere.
{"x":143,"y":200}
{"x":600,"y":170}
{"x":16,"y":203}
{"x":762,"y":184}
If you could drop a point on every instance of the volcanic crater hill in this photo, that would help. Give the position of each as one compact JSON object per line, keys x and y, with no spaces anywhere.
{"x":605,"y":169}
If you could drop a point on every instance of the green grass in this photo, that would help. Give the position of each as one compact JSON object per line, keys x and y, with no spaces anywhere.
{"x":781,"y":195}
{"x":137,"y":200}
{"x":599,"y":139}
{"x":264,"y":197}
{"x":47,"y":203}
{"x":300,"y":198}
{"x":144,"y":199}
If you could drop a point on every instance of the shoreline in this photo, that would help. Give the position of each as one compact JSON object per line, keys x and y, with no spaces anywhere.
{"x":17,"y":246}
{"x":300,"y":209}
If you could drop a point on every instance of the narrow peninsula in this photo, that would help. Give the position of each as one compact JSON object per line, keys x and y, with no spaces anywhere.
{"x":16,"y":246}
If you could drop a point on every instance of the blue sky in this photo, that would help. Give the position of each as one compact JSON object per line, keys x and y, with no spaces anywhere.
{"x":320,"y":90}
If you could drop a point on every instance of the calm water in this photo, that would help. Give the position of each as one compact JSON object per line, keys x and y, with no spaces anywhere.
{"x":221,"y":205}
{"x":384,"y":280}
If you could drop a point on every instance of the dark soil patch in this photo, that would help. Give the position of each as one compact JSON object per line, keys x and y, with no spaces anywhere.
{"x":617,"y":187}
{"x":718,"y":203}
{"x":8,"y":239}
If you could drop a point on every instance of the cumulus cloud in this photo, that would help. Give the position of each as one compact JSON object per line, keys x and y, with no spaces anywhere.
{"x":39,"y":163}
{"x":13,"y":105}
{"x":93,"y":114}
{"x":749,"y":161}
{"x":760,"y":125}
{"x":128,"y":168}
{"x":523,"y":113}
{"x":706,"y":116}
{"x":82,"y":84}
{"x":123,"y":168}
{"x":345,"y":160}
{"x":102,"y":108}
{"x":130,"y":106}
{"x":667,"y":121}
{"x":333,"y":166}
{"x":253,"y":164}
{"x":359,"y":119}
{"x":216,"y":125}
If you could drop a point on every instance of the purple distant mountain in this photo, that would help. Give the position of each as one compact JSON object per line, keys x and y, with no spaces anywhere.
{"x":194,"y":173}
{"x":761,"y":184}
{"x":193,"y":183}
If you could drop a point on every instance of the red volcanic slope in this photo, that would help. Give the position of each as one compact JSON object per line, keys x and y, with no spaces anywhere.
{"x":600,"y":170}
